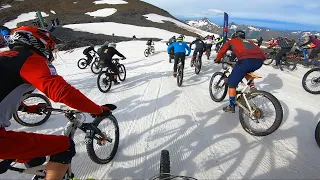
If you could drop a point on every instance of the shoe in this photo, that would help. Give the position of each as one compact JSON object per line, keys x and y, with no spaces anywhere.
{"x":253,"y":89}
{"x":275,"y":66}
{"x":115,"y":82}
{"x":191,"y":64}
{"x":229,"y":109}
{"x":174,"y":74}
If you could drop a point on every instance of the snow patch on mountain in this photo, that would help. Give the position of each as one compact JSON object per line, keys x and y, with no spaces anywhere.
{"x":160,"y":19}
{"x":254,"y":28}
{"x":5,"y":6}
{"x":110,"y":2}
{"x":233,"y":27}
{"x":22,"y":18}
{"x":102,"y":12}
{"x":53,"y":12}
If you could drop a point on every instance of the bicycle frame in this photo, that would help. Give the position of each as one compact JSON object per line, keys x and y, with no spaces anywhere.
{"x":76,"y":120}
{"x":242,"y":93}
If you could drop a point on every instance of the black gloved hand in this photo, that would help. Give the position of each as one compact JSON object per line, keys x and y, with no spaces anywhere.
{"x":123,"y":58}
{"x":106,"y":111}
{"x":216,"y":61}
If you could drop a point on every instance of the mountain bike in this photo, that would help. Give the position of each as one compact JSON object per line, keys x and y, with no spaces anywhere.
{"x":94,"y":136}
{"x":270,"y":56}
{"x":165,"y":169}
{"x":251,"y":114}
{"x":28,"y":119}
{"x":105,"y":78}
{"x":148,"y":51}
{"x":311,"y":81}
{"x":83,"y":62}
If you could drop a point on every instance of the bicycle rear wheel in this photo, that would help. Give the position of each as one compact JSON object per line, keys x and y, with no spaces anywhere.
{"x":104,"y":82}
{"x":164,"y":164}
{"x":288,"y":63}
{"x":146,"y":53}
{"x":104,"y":151}
{"x":197,"y":66}
{"x":218,"y":84}
{"x":122,"y":72}
{"x":311,"y":83}
{"x":180,"y":75}
{"x":258,"y":124}
{"x":33,"y":119}
{"x":82,"y":63}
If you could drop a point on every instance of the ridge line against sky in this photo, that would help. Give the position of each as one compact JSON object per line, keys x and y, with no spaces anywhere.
{"x":273,"y":14}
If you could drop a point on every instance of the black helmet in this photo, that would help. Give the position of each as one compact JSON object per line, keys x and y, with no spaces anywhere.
{"x":173,"y":37}
{"x":240,"y":34}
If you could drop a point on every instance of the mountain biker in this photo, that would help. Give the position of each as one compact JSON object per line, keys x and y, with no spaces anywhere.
{"x":250,"y":58}
{"x":171,"y":40}
{"x":259,"y":41}
{"x":313,"y":39}
{"x":171,"y":53}
{"x":271,"y":41}
{"x":106,"y":52}
{"x":87,"y":51}
{"x":208,"y":43}
{"x":285,"y":45}
{"x":218,"y":44}
{"x":179,"y":53}
{"x":149,"y":44}
{"x":26,"y":66}
{"x":200,"y":48}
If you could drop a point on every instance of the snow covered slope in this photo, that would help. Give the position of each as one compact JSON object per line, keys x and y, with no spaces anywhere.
{"x":154,"y":114}
{"x":23,"y":17}
{"x":125,"y":30}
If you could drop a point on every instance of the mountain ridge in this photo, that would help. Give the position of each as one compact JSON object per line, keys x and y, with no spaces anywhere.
{"x":251,"y":31}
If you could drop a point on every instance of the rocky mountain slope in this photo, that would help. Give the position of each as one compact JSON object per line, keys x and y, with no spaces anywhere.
{"x":251,"y":31}
{"x":74,"y":12}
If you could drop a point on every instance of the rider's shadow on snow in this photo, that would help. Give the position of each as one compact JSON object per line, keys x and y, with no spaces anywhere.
{"x":304,"y":164}
{"x":163,"y":135}
{"x":146,"y":63}
{"x":270,"y":83}
{"x":204,"y":76}
{"x":133,"y":81}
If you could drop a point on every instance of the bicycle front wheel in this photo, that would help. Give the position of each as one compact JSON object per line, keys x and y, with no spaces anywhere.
{"x":218,"y":87}
{"x":179,"y":75}
{"x":104,"y":82}
{"x":311,"y":81}
{"x":102,"y":150}
{"x":33,"y":119}
{"x":95,"y":67}
{"x":164,"y":164}
{"x":267,"y":114}
{"x":122,"y":72}
{"x":270,"y":58}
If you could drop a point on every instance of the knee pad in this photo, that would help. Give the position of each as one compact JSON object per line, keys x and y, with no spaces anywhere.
{"x":65,"y":156}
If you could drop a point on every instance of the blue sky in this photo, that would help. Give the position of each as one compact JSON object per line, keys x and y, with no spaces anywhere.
{"x":274,"y":14}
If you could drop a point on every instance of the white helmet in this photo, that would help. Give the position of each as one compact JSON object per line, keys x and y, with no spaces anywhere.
{"x":114,"y":45}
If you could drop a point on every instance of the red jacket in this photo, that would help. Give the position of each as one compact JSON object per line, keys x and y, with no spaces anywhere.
{"x":242,"y":48}
{"x":23,"y":66}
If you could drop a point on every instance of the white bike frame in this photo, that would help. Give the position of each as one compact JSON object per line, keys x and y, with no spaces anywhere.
{"x":244,"y":91}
